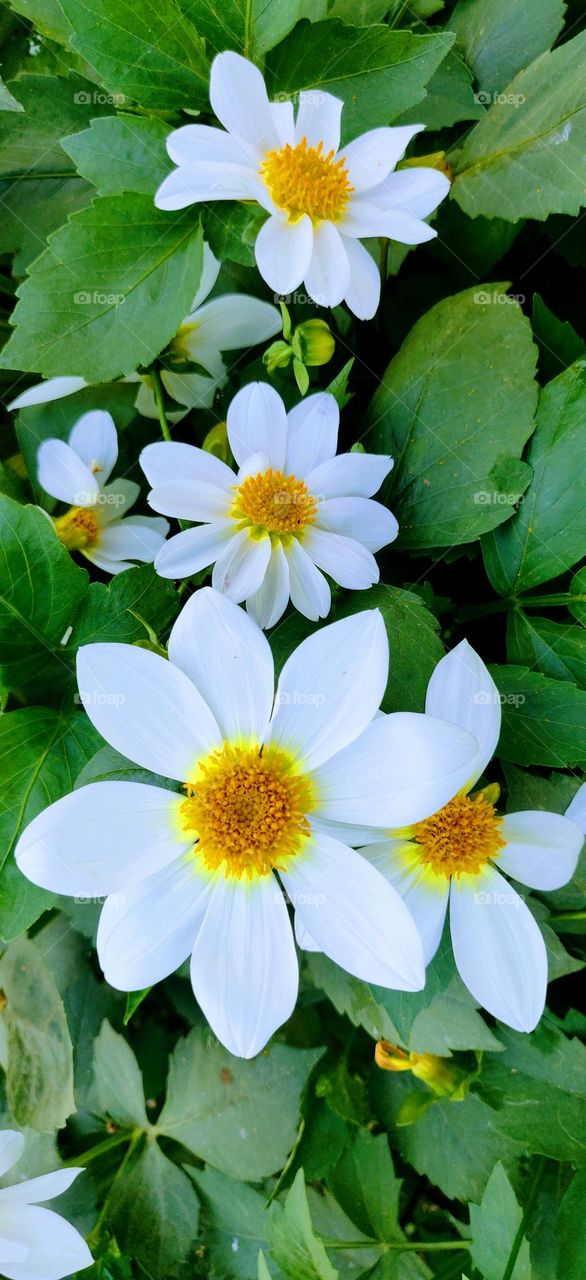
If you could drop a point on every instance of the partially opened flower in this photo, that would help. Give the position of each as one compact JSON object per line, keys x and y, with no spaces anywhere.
{"x":274,"y":791}
{"x":229,"y":322}
{"x":97,"y":524}
{"x":36,"y":1243}
{"x":321,"y":198}
{"x":293,"y":510}
{"x":457,"y":853}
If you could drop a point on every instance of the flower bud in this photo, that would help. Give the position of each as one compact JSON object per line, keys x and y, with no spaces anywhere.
{"x":216,"y":442}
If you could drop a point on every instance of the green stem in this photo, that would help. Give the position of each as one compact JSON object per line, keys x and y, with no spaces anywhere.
{"x":100,"y":1149}
{"x":520,"y":1234}
{"x":559,"y":598}
{"x":420,"y":1246}
{"x":563,"y":916}
{"x":160,"y":402}
{"x":96,"y":1231}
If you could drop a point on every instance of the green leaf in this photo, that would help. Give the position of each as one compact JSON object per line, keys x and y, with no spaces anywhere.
{"x":449,"y":97}
{"x":548,"y":533}
{"x":377,"y":73}
{"x":118,"y":1089}
{"x":500,"y":37}
{"x":572,"y":1241}
{"x":527,"y":158}
{"x":558,"y":342}
{"x":292,"y":1241}
{"x":455,"y":408}
{"x":494,"y":1224}
{"x":154,"y":55}
{"x":39,"y":1080}
{"x":121,"y":153}
{"x":240,"y":1116}
{"x":40,"y":591}
{"x":454,"y":1144}
{"x":39,"y":187}
{"x":236,"y":1224}
{"x":537,"y":1088}
{"x":7,"y":100}
{"x":554,"y":648}
{"x":543,"y":719}
{"x":82,"y":310}
{"x":364,"y":1183}
{"x":251,"y":27}
{"x":577,"y":605}
{"x":41,"y":754}
{"x":47,"y":16}
{"x":134,"y":603}
{"x":155,"y":1213}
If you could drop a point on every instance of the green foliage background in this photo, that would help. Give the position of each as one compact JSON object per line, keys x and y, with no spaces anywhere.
{"x":308,"y":1162}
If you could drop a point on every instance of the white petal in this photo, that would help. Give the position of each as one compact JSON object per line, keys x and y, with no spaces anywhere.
{"x":542,"y":849}
{"x":312,"y":435}
{"x":38,"y":1190}
{"x":462,"y":691}
{"x":498,"y":948}
{"x":241,"y":566}
{"x":268,"y":604}
{"x":310,"y":591}
{"x":318,"y":119}
{"x":344,"y":559}
{"x":116,"y":499}
{"x":95,"y":440}
{"x":54,"y":1248}
{"x":193,"y":390}
{"x":328,"y":275}
{"x":191,"y":500}
{"x":303,"y":937}
{"x":101,"y":837}
{"x":193,"y":549}
{"x":357,"y":836}
{"x":576,"y":810}
{"x":229,"y":660}
{"x":63,"y":474}
{"x":236,"y":320}
{"x":209,"y":180}
{"x":146,"y":708}
{"x":363,"y":293}
{"x":370,"y":158}
{"x":350,"y":474}
{"x":283,"y":119}
{"x":168,"y":461}
{"x":366,"y":217}
{"x":194,"y":143}
{"x":331,"y":687}
{"x":45,"y":392}
{"x":425,"y":894}
{"x":244,"y":967}
{"x":366,"y":521}
{"x":283,"y":252}
{"x":147,"y":932}
{"x":257,"y":423}
{"x":414,"y":191}
{"x":11,"y":1149}
{"x":239,"y":99}
{"x":355,"y":916}
{"x":210,"y":268}
{"x":403,"y":768}
{"x":136,"y":538}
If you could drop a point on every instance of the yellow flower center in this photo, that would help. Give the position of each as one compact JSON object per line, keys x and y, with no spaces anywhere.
{"x":78,"y":528}
{"x":460,"y":838}
{"x":274,"y":503}
{"x":303,"y":180}
{"x":248,"y":810}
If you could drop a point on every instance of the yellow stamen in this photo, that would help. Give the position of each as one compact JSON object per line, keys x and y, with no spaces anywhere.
{"x":303,"y":180}
{"x":77,"y":529}
{"x":248,"y":810}
{"x":272,"y":502}
{"x":460,"y":838}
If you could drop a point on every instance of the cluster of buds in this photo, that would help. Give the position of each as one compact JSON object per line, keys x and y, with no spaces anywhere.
{"x":310,"y":344}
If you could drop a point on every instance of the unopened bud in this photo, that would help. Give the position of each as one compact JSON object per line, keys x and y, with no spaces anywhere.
{"x":316,"y":342}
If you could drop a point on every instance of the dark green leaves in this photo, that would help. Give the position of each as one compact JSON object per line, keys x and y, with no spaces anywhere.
{"x":39,"y":1079}
{"x":543,"y":719}
{"x":82,"y":311}
{"x":455,"y":409}
{"x":548,"y":533}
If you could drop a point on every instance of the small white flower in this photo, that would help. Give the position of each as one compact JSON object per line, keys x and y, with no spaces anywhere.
{"x":230,"y":322}
{"x":97,"y":524}
{"x":293,"y":509}
{"x":321,"y":198}
{"x":457,"y":853}
{"x":272,"y":786}
{"x":36,"y":1243}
